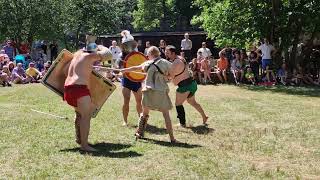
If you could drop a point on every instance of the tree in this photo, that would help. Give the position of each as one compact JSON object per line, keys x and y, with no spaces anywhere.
{"x":240,"y":22}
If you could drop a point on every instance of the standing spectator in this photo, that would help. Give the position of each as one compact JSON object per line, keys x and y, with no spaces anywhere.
{"x":10,"y":50}
{"x":254,"y":64}
{"x":266,"y":51}
{"x":186,"y":46}
{"x":222,"y":65}
{"x":147,"y":47}
{"x":205,"y":51}
{"x":116,"y":53}
{"x":44,"y":47}
{"x":162,"y":48}
{"x":24,"y":48}
{"x":53,"y":50}
{"x":198,"y":66}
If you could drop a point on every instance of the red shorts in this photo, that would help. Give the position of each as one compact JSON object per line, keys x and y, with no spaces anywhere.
{"x":73,"y":92}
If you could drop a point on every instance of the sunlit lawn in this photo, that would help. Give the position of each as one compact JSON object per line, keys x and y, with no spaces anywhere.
{"x":254,"y":133}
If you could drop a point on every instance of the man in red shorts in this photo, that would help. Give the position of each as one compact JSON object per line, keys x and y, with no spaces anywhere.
{"x":76,"y":91}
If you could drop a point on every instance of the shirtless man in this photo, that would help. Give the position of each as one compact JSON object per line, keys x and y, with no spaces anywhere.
{"x":76,"y":91}
{"x":187,"y":87}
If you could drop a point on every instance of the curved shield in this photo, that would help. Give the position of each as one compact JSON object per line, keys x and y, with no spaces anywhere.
{"x":135,"y":59}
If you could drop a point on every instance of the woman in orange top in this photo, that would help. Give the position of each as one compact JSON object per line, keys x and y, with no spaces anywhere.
{"x":222,"y":65}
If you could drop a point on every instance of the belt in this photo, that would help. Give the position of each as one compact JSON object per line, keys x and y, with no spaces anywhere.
{"x":185,"y":82}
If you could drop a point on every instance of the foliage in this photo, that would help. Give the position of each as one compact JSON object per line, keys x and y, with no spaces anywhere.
{"x":164,"y":15}
{"x":57,"y":19}
{"x":237,"y":22}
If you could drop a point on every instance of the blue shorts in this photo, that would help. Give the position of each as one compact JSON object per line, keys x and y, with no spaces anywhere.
{"x":265,"y":63}
{"x":133,"y":86}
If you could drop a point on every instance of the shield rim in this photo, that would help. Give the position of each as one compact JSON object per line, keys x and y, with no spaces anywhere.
{"x":125,"y":66}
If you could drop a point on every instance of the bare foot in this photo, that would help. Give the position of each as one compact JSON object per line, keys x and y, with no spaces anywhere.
{"x":174,"y":141}
{"x":88,"y":149}
{"x":180,"y":125}
{"x":124,"y":124}
{"x":205,"y":120}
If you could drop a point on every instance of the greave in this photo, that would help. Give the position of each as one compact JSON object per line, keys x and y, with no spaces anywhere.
{"x":181,"y":114}
{"x":142,"y":125}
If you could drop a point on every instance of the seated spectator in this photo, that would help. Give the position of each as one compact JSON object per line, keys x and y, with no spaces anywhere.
{"x":4,"y":77}
{"x":19,"y":75}
{"x":282,"y":74}
{"x":269,"y":72}
{"x":222,"y":67}
{"x":46,"y":68}
{"x":250,"y":76}
{"x":4,"y":59}
{"x":205,"y":70}
{"x":296,"y":78}
{"x":33,"y":73}
{"x":236,"y":68}
{"x":307,"y":78}
{"x":11,"y":66}
{"x":193,"y":67}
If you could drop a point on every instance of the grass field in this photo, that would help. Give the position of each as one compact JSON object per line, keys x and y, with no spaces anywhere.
{"x":253,"y":133}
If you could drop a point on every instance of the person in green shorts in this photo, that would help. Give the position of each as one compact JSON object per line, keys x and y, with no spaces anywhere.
{"x":187,"y":86}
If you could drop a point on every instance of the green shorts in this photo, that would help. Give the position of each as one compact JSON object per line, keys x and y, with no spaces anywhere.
{"x":192,"y":88}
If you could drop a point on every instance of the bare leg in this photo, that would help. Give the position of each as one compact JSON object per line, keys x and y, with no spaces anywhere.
{"x":125,"y":108}
{"x":77,"y":127}
{"x":168,"y":123}
{"x":224,"y":73}
{"x":138,"y":98}
{"x":219,"y":76}
{"x":85,"y":112}
{"x":192,"y":101}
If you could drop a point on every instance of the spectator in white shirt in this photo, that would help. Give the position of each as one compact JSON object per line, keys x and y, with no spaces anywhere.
{"x":116,"y":53}
{"x":147,"y":47}
{"x":186,"y":46}
{"x":206,"y":53}
{"x":266,"y":51}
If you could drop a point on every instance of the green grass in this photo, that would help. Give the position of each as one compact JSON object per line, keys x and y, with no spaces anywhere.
{"x":254,"y":133}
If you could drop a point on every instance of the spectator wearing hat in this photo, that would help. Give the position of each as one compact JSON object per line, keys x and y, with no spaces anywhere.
{"x":33,"y":72}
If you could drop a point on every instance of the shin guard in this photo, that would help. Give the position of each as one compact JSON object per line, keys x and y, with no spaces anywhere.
{"x":141,"y":126}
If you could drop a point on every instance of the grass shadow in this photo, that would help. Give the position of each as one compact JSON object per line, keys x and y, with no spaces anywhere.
{"x":310,"y":91}
{"x":155,"y":130}
{"x":107,"y":150}
{"x":169,"y":144}
{"x":202,"y":129}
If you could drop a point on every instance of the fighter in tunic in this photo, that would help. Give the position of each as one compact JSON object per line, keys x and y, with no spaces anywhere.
{"x":155,"y":91}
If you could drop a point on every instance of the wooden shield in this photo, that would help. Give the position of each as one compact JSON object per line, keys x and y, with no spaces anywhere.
{"x":135,"y":59}
{"x":100,"y":88}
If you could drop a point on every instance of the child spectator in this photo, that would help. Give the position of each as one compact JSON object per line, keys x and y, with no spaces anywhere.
{"x":193,"y":67}
{"x":206,"y":70}
{"x":198,"y":67}
{"x":4,"y":77}
{"x":236,"y":68}
{"x":282,"y":74}
{"x":46,"y":68}
{"x":11,"y":66}
{"x":222,"y":65}
{"x":250,"y":76}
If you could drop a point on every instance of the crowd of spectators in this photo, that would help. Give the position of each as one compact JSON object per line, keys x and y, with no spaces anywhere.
{"x":24,"y":64}
{"x":21,"y":63}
